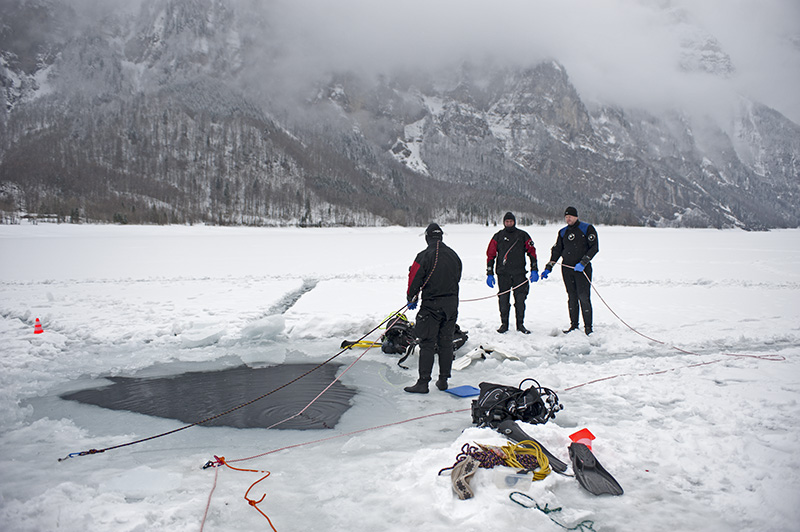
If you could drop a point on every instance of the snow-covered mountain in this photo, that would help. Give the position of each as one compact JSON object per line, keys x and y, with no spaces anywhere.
{"x":183,"y":111}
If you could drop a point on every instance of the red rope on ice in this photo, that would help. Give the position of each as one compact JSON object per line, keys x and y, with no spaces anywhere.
{"x":493,"y":295}
{"x":359,"y":431}
{"x":334,"y":381}
{"x":659,"y":372}
{"x":208,"y":503}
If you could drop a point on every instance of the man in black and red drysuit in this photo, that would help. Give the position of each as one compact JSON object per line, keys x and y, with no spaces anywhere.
{"x":508,"y":247}
{"x":436,"y":272}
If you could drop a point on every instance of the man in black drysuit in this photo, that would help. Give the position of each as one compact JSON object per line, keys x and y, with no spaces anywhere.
{"x":509,"y":246}
{"x":576,"y":245}
{"x":436,"y":271}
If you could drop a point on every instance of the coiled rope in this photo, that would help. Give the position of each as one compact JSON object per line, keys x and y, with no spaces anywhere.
{"x":526,"y":455}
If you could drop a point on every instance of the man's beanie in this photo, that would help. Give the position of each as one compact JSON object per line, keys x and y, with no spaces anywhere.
{"x":571,"y":211}
{"x":510,"y":216}
{"x":434,"y":231}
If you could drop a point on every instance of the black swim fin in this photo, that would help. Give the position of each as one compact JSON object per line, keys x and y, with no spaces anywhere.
{"x":511,"y":430}
{"x":590,"y":474}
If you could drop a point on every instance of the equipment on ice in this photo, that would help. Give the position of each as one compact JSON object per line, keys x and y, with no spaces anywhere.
{"x":480,"y":353}
{"x":511,"y":430}
{"x":498,"y":402}
{"x":399,"y":339}
{"x":590,"y":474}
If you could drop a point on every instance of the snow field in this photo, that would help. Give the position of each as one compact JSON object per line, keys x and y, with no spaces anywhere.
{"x":696,"y":447}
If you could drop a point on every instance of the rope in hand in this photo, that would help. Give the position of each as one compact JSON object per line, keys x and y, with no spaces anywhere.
{"x":248,"y":403}
{"x":494,"y":295}
{"x":529,"y":502}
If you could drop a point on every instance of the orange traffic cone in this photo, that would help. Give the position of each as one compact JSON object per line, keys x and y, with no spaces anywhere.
{"x":37,"y":329}
{"x":583,"y":436}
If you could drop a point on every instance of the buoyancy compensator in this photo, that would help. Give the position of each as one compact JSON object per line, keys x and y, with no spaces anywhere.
{"x":497,"y":403}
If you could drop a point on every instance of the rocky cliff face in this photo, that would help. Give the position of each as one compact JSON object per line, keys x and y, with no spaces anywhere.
{"x":157,"y":117}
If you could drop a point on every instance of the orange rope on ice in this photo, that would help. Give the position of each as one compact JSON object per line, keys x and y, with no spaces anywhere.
{"x":252,"y":502}
{"x":220,"y":460}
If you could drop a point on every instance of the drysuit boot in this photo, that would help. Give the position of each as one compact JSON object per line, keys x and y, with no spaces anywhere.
{"x":571,"y":328}
{"x":519,"y":314}
{"x":441,"y":383}
{"x":503,"y":327}
{"x":574,"y":312}
{"x":420,"y":387}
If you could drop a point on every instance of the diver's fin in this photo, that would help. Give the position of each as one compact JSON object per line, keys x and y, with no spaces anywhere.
{"x":511,"y":430}
{"x":494,"y":353}
{"x":464,"y":361}
{"x":590,"y":474}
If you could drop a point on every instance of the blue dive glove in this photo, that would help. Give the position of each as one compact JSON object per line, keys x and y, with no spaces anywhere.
{"x":545,"y":273}
{"x":534,"y":276}
{"x":579,"y":267}
{"x":490,"y":280}
{"x":411,"y":305}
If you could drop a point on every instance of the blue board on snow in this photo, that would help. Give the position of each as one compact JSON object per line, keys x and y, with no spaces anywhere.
{"x":464,"y":391}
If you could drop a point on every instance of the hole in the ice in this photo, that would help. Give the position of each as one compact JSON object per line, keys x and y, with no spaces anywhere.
{"x":195,"y":396}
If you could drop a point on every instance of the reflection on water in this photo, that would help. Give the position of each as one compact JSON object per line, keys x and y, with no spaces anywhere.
{"x":195,"y":396}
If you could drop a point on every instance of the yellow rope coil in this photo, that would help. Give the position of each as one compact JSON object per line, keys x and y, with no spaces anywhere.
{"x":509,"y":455}
{"x":530,"y":447}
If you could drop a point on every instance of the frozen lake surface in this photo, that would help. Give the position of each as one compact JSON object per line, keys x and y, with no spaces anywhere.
{"x":699,"y":438}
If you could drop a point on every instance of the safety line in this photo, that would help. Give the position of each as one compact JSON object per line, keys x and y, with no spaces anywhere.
{"x":179,"y":429}
{"x":772,"y":358}
{"x":447,"y":412}
{"x":494,"y":295}
{"x":220,"y":460}
{"x":208,"y":503}
{"x":328,"y":387}
{"x":359,"y":431}
{"x":335,"y":380}
{"x":648,"y":374}
{"x":248,"y":403}
{"x":394,"y":314}
{"x":594,"y":381}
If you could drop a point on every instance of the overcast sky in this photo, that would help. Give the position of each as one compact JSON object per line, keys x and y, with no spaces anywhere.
{"x":618,"y":51}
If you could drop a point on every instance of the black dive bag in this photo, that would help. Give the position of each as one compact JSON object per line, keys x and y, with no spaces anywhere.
{"x":398,"y":337}
{"x":497,"y":403}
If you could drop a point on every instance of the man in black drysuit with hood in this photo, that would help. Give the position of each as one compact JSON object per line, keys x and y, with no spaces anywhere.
{"x":436,"y":271}
{"x":576,"y":245}
{"x":509,"y":246}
